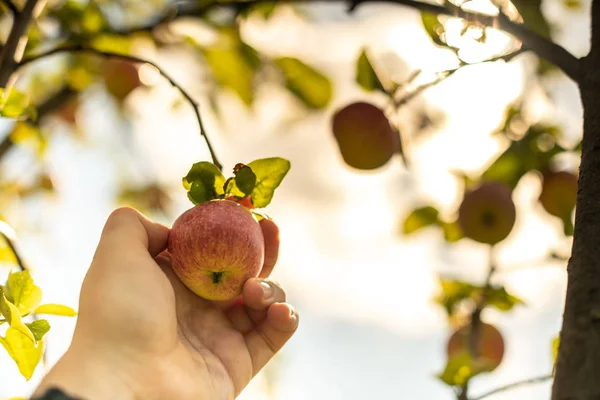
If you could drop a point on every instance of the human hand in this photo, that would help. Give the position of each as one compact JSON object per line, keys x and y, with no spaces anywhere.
{"x":142,"y":334}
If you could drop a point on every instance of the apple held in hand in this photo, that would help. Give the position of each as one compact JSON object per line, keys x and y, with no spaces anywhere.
{"x":215,"y":247}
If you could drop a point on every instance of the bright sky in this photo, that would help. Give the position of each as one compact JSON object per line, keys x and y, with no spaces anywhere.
{"x":369,"y":327}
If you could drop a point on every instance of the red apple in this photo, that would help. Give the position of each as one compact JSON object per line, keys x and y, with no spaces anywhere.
{"x":215,"y":247}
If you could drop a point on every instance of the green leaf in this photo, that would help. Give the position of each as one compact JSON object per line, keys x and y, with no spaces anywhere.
{"x":269,"y":175}
{"x":22,"y":292}
{"x":13,"y":317}
{"x":498,"y":297}
{"x":366,"y":76}
{"x":56,"y":309}
{"x":459,"y":369}
{"x":453,"y":293}
{"x":245,"y":180}
{"x":307,"y":84}
{"x":433,"y":27}
{"x":204,"y":182}
{"x":15,"y":105}
{"x":533,"y":151}
{"x":39,"y":328}
{"x":420,"y":218}
{"x":23,"y":351}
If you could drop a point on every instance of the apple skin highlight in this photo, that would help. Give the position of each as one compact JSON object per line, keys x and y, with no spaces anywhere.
{"x":215,"y":247}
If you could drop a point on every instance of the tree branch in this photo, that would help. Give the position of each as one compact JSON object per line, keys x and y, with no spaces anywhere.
{"x":542,"y":46}
{"x":514,"y":385}
{"x":17,"y":38}
{"x":184,"y":93}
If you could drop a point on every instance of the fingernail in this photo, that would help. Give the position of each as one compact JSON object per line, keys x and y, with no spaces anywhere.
{"x":294,"y":316}
{"x":267,"y":290}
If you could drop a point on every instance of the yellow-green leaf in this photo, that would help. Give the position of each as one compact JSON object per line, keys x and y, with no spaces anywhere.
{"x":453,"y":293}
{"x":22,"y":291}
{"x":452,"y":231}
{"x":269,"y":175}
{"x":39,"y":328}
{"x":56,"y":309}
{"x":366,"y":76}
{"x":459,"y":369}
{"x":433,"y":27}
{"x":420,"y":218}
{"x":15,"y":105}
{"x":233,"y":63}
{"x":309,"y":85}
{"x":23,"y":351}
{"x":498,"y":297}
{"x":13,"y":317}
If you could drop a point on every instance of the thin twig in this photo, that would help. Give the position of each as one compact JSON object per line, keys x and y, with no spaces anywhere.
{"x":543,"y":47}
{"x":10,"y":6}
{"x":82,"y":49}
{"x":514,"y":385}
{"x":443,"y":75}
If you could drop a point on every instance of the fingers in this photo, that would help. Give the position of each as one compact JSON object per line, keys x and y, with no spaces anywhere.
{"x":127,"y":229}
{"x":269,"y":336}
{"x":257,"y":295}
{"x":271,"y":236}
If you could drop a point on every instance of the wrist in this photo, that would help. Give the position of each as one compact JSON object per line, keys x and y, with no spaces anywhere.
{"x":89,"y":374}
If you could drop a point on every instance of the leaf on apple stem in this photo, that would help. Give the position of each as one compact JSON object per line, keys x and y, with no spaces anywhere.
{"x":269,"y":174}
{"x":204,"y":182}
{"x":245,"y":179}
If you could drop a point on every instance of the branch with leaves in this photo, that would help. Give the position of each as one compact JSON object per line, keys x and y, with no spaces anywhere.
{"x":20,"y":298}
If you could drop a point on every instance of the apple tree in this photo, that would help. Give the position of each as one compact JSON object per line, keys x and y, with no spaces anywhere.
{"x":58,"y":52}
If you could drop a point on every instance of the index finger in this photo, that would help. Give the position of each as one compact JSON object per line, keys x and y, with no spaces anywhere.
{"x":270,"y":232}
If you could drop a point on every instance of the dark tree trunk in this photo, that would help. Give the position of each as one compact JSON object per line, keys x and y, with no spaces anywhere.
{"x":578,"y":364}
